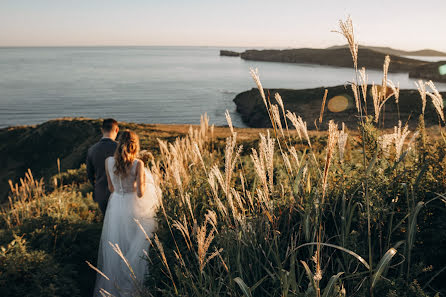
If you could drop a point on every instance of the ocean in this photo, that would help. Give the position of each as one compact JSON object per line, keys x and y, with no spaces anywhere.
{"x":168,"y":85}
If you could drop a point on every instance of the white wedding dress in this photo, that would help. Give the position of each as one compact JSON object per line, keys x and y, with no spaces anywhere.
{"x":121,"y":229}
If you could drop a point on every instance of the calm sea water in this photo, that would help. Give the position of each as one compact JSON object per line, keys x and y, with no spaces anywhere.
{"x":143,"y":84}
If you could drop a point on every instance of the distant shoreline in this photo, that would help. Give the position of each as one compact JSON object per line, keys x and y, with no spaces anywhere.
{"x":340,"y":56}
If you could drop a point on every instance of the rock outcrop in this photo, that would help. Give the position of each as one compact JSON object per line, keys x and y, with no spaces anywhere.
{"x":340,"y":106}
{"x":338,"y":57}
{"x":433,"y":71}
{"x":229,"y":53}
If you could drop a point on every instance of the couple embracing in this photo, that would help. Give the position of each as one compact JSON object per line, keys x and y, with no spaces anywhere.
{"x":125,"y":192}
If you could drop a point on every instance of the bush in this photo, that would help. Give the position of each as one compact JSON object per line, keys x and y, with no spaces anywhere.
{"x":29,"y":272}
{"x":46,"y":239}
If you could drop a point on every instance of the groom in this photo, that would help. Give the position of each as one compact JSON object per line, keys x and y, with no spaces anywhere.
{"x":96,"y":162}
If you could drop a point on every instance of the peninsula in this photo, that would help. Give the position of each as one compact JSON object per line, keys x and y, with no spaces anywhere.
{"x":339,"y":56}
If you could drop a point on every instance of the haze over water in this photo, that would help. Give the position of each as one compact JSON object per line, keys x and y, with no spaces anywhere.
{"x":144,"y":84}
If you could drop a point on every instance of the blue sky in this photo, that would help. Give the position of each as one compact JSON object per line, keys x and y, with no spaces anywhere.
{"x":281,"y":23}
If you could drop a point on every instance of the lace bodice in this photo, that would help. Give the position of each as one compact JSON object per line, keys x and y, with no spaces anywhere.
{"x":126,"y":184}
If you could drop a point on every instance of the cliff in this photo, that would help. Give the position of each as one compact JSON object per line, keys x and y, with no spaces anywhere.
{"x":340,"y":106}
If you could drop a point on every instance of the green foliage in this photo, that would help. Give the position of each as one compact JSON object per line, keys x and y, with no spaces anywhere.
{"x":45,"y":240}
{"x":28,"y":272}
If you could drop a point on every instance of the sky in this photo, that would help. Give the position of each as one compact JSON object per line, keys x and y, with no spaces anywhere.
{"x":408,"y":24}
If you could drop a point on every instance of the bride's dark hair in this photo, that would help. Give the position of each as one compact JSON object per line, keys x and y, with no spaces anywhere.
{"x":126,"y":152}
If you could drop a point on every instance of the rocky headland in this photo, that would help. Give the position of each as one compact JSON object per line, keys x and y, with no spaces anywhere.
{"x":340,"y":106}
{"x":339,"y":56}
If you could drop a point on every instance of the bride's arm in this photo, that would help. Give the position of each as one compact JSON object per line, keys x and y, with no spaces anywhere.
{"x":140,"y":179}
{"x":110,"y":185}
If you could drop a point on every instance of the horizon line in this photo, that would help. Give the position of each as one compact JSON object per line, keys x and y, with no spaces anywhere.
{"x":211,"y":46}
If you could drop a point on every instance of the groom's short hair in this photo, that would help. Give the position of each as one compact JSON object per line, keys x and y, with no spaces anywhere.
{"x":109,"y":124}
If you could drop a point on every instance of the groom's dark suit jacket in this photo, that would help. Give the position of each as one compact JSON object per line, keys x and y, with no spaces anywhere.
{"x":96,"y":170}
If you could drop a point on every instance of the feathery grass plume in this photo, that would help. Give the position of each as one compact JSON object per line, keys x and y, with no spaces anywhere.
{"x":386,"y":142}
{"x":204,"y":240}
{"x":184,"y":230}
{"x":397,"y":138}
{"x":176,"y":174}
{"x":211,"y":218}
{"x":437,"y":99}
{"x":213,"y":183}
{"x":251,"y":201}
{"x":300,"y":125}
{"x":400,"y":137}
{"x":378,"y":101}
{"x":255,"y":76}
{"x":342,"y":141}
{"x":276,"y":116}
{"x":238,"y":199}
{"x":421,"y":87}
{"x":204,"y":125}
{"x":266,"y":148}
{"x":231,"y":159}
{"x":364,"y":84}
{"x":242,"y":182}
{"x":293,"y":118}
{"x":323,"y":106}
{"x":333,"y":136}
{"x":260,"y":169}
{"x":160,"y":247}
{"x":412,"y":141}
{"x":215,"y":171}
{"x":280,"y":101}
{"x":385,"y":72}
{"x":356,"y":95}
{"x":347,"y":30}
{"x":189,"y":205}
{"x":228,"y":119}
{"x":395,"y":90}
{"x":197,"y":151}
{"x":287,"y":162}
{"x":265,"y":203}
{"x":293,"y":153}
{"x":25,"y":200}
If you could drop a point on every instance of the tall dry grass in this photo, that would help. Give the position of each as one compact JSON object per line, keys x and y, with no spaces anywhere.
{"x":283,"y":219}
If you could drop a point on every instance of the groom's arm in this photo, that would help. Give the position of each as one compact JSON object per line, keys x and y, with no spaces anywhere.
{"x":90,"y":168}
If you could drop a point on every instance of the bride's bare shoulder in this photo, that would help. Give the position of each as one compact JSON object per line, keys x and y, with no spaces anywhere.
{"x":139,"y":163}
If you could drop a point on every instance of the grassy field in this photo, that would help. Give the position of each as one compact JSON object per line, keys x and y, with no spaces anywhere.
{"x":352,"y":211}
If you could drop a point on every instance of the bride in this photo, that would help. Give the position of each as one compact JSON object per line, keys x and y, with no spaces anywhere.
{"x":133,"y":197}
